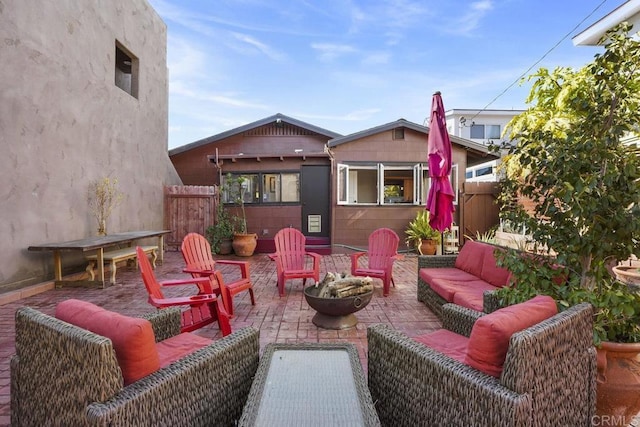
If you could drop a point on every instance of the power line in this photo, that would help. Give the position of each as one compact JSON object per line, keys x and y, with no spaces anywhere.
{"x":540,"y":60}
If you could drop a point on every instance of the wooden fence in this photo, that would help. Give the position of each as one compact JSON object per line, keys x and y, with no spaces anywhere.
{"x":193,"y":209}
{"x":479,"y":211}
{"x":188,"y":208}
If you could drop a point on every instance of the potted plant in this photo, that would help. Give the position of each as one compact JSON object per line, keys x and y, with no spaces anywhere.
{"x":103,"y":197}
{"x":244,"y":243}
{"x":220,"y":235}
{"x":584,"y":181}
{"x":421,"y":235}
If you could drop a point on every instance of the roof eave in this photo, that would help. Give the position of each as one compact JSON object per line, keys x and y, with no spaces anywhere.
{"x":628,"y":11}
{"x":271,"y":119}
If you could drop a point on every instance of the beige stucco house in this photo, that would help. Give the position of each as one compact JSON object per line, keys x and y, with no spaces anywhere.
{"x":83,"y":95}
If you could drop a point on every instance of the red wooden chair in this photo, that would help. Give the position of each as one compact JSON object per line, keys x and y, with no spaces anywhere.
{"x":203,"y":308}
{"x":196,"y":252}
{"x":382,"y":252}
{"x":292,"y":259}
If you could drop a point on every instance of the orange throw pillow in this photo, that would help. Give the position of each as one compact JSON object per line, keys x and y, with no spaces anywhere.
{"x":490,"y":335}
{"x":133,"y":339}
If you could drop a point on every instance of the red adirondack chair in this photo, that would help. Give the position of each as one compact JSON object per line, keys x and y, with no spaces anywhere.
{"x":292,"y":259}
{"x":203,"y":309}
{"x":382,"y":252}
{"x":196,"y":252}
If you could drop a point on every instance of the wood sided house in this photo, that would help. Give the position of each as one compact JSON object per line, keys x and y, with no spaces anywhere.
{"x":336,"y":189}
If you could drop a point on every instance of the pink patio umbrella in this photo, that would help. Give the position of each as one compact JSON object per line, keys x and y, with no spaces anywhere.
{"x":441,"y":195}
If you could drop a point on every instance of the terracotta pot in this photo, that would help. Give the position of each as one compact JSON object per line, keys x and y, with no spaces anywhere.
{"x":628,"y":274}
{"x":428,"y":247}
{"x":618,"y":399}
{"x":226,"y":246}
{"x":244,"y":244}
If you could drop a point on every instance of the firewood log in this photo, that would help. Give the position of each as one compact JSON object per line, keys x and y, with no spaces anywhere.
{"x":350,"y":281}
{"x":340,"y":285}
{"x":356,"y":290}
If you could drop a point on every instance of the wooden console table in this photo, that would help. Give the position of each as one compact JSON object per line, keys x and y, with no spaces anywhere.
{"x":309,"y":384}
{"x":98,"y":244}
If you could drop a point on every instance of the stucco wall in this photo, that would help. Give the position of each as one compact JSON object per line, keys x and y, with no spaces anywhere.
{"x":64,"y":123}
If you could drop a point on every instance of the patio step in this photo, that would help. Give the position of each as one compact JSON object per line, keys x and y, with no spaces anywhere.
{"x":320,"y":245}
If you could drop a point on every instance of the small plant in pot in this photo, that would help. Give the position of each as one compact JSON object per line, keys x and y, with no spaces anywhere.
{"x":220,"y":235}
{"x":235,"y":187}
{"x":421,"y":235}
{"x":104,"y":197}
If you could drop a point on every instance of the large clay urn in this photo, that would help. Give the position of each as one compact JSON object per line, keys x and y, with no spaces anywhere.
{"x":244,"y":244}
{"x":618,"y":398}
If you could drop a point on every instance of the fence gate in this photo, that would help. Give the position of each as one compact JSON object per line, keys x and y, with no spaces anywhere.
{"x":479,"y":211}
{"x":188,"y":209}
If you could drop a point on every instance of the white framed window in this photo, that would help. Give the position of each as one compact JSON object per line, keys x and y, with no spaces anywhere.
{"x":358,"y":184}
{"x":386,"y":184}
{"x":485,"y":131}
{"x":397,"y":184}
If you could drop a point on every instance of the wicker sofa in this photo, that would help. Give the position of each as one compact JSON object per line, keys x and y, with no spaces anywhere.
{"x":548,"y":377}
{"x":462,"y":279}
{"x":62,"y":374}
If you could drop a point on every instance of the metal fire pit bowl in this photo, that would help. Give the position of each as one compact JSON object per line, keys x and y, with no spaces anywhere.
{"x":335,"y":313}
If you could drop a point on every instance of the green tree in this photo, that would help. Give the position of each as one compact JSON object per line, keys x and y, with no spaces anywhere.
{"x":570,"y":161}
{"x":584,"y":181}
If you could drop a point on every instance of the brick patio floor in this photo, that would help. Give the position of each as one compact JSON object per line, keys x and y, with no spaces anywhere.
{"x":286,"y":319}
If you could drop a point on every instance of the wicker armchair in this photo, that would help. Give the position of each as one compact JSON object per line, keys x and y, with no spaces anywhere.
{"x":65,"y":375}
{"x":549,"y":376}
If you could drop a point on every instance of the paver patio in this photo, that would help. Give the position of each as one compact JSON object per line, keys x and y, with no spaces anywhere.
{"x":286,"y":319}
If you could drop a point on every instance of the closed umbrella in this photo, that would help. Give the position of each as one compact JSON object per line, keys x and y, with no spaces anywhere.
{"x":441,"y":195}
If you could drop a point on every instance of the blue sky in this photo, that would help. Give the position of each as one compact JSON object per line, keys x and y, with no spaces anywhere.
{"x":349,"y":65}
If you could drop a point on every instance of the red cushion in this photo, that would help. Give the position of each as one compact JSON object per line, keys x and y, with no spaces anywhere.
{"x":176,"y":347}
{"x":489,"y":340}
{"x":445,"y":288}
{"x":449,"y":273}
{"x":491,"y":273}
{"x":446,"y":342}
{"x":471,"y":295}
{"x":132,"y":338}
{"x":471,"y":257}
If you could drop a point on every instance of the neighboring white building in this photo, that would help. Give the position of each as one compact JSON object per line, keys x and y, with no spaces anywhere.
{"x":484,"y":127}
{"x":481,"y":126}
{"x":628,"y":11}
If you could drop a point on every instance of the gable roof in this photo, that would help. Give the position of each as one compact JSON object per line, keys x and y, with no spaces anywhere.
{"x":477,"y":153}
{"x":271,"y":119}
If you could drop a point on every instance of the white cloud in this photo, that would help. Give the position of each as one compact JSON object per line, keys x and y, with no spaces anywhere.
{"x":376,"y":58}
{"x":329,"y":51}
{"x":263,"y":48}
{"x":195,"y":92}
{"x":470,"y":20}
